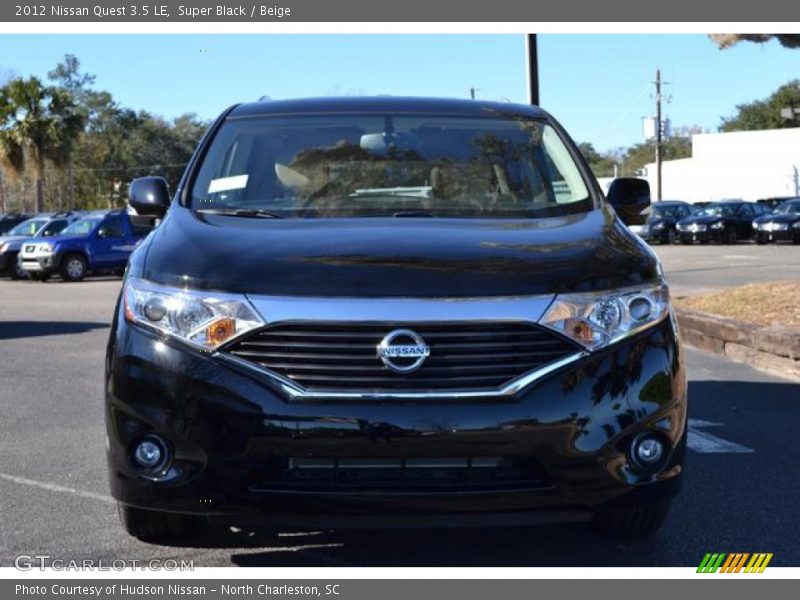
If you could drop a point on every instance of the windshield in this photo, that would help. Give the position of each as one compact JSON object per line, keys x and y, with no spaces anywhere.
{"x":722,"y":210}
{"x":29,"y":227}
{"x":385,"y":165}
{"x":789,"y":207}
{"x":6,"y":225}
{"x":81,"y":228}
{"x":666,"y":212}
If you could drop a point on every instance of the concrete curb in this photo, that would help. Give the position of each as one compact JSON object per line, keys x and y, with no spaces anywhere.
{"x":771,"y":348}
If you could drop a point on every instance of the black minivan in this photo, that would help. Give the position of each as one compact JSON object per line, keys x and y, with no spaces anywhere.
{"x":392,"y":311}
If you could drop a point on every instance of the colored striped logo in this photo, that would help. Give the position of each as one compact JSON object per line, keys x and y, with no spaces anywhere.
{"x":734,"y":562}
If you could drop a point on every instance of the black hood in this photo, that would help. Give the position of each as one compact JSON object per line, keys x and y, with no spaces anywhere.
{"x":395,"y":257}
{"x":779,"y":218}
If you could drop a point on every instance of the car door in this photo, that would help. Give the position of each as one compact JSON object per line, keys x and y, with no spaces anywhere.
{"x":110,"y":243}
{"x":681,"y":213}
{"x":744,"y":221}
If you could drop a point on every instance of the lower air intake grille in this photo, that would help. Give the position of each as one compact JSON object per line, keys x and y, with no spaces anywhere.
{"x":409,"y":474}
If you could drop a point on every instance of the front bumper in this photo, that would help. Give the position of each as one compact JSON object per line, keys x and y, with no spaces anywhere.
{"x":6,"y":260}
{"x":234,"y":438}
{"x":709,"y":235}
{"x":778,"y":235}
{"x":45,"y":264}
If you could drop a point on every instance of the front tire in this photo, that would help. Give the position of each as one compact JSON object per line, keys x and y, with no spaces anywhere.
{"x":634,"y":520}
{"x":17,"y":272}
{"x":153,"y":526}
{"x":73,"y":267}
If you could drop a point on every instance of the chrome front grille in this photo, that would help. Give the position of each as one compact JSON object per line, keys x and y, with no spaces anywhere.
{"x":342,"y":356}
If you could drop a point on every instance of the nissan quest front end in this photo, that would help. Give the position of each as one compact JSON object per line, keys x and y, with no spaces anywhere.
{"x":386,"y":311}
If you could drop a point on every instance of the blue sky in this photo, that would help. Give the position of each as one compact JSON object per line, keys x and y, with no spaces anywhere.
{"x":597,"y":85}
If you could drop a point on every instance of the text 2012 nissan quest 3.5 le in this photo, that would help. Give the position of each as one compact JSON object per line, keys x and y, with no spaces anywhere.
{"x":382,"y":312}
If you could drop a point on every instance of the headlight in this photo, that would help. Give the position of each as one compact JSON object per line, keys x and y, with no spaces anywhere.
{"x":718,"y":225}
{"x":200,"y":318}
{"x":3,"y":248}
{"x":796,"y":225}
{"x":598,"y":319}
{"x":658,"y":225}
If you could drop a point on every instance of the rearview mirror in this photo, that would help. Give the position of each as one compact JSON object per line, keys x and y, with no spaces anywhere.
{"x":149,"y":196}
{"x":630,"y":196}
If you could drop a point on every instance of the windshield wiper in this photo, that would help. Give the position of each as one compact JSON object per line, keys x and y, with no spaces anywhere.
{"x":412,"y":213}
{"x":241,"y":212}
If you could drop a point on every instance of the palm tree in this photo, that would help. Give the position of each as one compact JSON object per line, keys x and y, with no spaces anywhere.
{"x":37,"y":123}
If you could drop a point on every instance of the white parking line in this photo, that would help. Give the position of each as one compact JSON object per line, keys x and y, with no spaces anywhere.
{"x":701,"y":441}
{"x":52,"y":487}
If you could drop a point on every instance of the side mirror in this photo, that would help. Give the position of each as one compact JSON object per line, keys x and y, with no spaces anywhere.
{"x":630,"y":196}
{"x":101,"y":233}
{"x":149,"y":196}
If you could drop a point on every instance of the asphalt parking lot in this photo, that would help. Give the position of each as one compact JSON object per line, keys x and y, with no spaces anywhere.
{"x":697,"y":269}
{"x":741,"y":488}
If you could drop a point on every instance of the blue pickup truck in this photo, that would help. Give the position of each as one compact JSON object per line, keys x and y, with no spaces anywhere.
{"x":100,"y":242}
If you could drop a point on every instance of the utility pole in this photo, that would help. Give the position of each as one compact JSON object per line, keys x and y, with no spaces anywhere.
{"x":532,"y":63}
{"x":472,"y":93}
{"x":658,"y":135}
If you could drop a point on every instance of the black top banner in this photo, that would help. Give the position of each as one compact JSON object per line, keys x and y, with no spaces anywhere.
{"x":405,"y":11}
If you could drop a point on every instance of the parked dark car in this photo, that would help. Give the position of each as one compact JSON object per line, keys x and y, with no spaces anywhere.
{"x":724,"y":222}
{"x":661,"y":221}
{"x":781,"y":225}
{"x":100,"y":242}
{"x":392,"y":311}
{"x":9,"y":220}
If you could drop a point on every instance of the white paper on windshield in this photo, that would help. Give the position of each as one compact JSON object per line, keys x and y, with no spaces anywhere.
{"x":225,"y":184}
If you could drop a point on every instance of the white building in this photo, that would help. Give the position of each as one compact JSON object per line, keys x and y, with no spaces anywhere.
{"x":741,"y":164}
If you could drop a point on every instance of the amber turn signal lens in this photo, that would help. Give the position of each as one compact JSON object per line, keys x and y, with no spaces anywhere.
{"x":579,"y":330}
{"x":220,"y":330}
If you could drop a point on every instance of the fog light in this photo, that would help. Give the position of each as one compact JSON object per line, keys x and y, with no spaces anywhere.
{"x":150,"y":454}
{"x":648,"y":452}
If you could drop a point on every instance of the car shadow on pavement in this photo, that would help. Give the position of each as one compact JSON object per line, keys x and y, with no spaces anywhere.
{"x":573,"y":544}
{"x":11,"y":330}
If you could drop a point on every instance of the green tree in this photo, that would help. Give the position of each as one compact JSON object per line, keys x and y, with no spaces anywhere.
{"x":68,"y":75}
{"x":118,"y":143}
{"x":766,"y":114}
{"x":726,"y":40}
{"x":601,"y":163}
{"x":638,"y":155}
{"x":37,"y":123}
